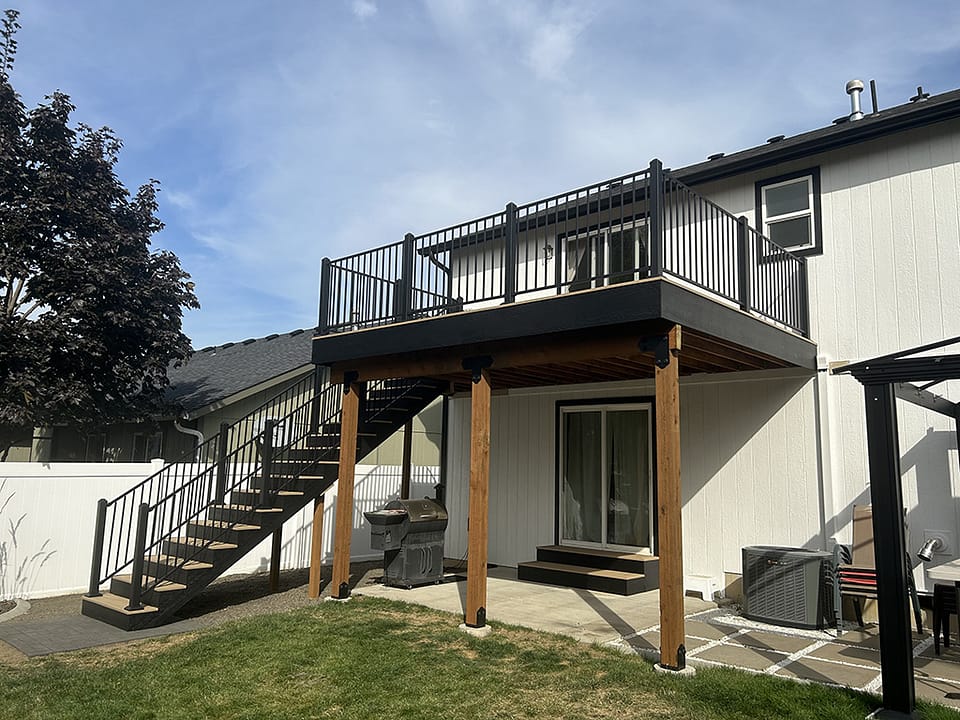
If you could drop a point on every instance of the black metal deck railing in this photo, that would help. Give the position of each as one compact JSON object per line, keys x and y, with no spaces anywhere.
{"x":638,"y":226}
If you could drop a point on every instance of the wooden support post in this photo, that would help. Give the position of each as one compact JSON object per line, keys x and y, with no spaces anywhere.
{"x":477,"y":520}
{"x":407,"y":460}
{"x":672,"y":641}
{"x":316,"y":549}
{"x":275,"y":560}
{"x":348,"y":460}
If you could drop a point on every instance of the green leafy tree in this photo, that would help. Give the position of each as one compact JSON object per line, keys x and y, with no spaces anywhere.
{"x":90,"y":316}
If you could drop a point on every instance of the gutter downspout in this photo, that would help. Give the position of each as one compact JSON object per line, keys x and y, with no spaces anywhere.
{"x":189,"y":431}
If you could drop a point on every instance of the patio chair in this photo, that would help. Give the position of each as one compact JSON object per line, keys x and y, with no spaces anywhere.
{"x":856,"y":575}
{"x":944,"y":605}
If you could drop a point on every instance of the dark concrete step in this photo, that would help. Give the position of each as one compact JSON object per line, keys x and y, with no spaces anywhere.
{"x":578,"y":576}
{"x":602,"y":559}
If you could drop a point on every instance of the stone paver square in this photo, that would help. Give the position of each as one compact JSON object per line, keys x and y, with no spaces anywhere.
{"x":853,"y":654}
{"x":752,"y":658}
{"x":771,"y":641}
{"x":937,"y":691}
{"x":865,"y":637}
{"x":646,"y":642}
{"x":651,"y":641}
{"x":924,"y":667}
{"x":696,"y":628}
{"x":807,"y":668}
{"x":949,"y":654}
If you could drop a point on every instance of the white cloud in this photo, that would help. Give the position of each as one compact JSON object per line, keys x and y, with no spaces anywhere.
{"x":553,"y":40}
{"x":364,"y":9}
{"x":181,"y":200}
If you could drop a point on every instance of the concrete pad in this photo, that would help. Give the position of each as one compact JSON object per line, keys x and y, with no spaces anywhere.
{"x":865,"y":637}
{"x":737,"y":656}
{"x":864,"y":656}
{"x":688,"y":671}
{"x":949,"y":654}
{"x":477,"y":632}
{"x":698,"y":629}
{"x":931,"y":667}
{"x":771,"y":641}
{"x":826,"y":672}
{"x":937,"y":691}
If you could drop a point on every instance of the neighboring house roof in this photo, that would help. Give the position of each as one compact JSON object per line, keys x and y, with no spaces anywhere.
{"x":216,"y":376}
{"x":916,"y":113}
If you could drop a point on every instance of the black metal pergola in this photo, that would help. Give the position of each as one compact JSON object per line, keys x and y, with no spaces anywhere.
{"x":906,"y":375}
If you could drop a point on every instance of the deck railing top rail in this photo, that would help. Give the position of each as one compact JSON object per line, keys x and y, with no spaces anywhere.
{"x":636,"y":226}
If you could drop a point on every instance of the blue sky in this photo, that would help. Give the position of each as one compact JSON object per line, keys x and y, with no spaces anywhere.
{"x":283,"y":132}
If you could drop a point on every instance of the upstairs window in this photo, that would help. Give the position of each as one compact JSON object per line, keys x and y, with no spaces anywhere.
{"x":788,"y":211}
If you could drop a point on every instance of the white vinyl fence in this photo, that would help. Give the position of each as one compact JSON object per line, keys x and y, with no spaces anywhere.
{"x":48,"y":512}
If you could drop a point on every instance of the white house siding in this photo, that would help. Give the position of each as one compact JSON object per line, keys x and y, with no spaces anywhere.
{"x":888,"y":279}
{"x":748,"y":459}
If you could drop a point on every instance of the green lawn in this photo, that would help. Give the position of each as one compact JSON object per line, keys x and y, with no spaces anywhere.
{"x":376,"y":659}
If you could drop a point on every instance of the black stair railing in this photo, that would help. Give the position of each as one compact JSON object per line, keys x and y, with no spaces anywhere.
{"x":115,"y":534}
{"x":250,"y":466}
{"x":248,"y":471}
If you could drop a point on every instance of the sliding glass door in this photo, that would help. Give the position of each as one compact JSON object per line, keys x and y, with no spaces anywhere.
{"x":606,"y":476}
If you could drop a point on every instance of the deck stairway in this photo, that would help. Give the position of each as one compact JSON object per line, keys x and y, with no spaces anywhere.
{"x":163,"y":541}
{"x":621,"y":573}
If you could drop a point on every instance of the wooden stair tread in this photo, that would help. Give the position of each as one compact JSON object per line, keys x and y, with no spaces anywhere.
{"x":200,"y":542}
{"x":118,"y":603}
{"x":611,"y":554}
{"x":163,"y":586}
{"x":225,"y":524}
{"x":582,"y":570}
{"x":174,"y":560}
{"x":247,"y":508}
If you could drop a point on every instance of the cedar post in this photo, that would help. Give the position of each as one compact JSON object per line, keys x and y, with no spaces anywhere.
{"x":477,"y":520}
{"x":316,"y":549}
{"x":670,"y":550}
{"x":348,"y":460}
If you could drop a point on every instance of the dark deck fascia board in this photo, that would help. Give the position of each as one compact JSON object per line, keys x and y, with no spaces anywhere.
{"x":691,"y":310}
{"x":634,"y":302}
{"x":886,"y":122}
{"x":656,"y":303}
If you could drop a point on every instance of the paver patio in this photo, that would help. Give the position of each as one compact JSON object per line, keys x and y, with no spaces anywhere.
{"x":714,"y":636}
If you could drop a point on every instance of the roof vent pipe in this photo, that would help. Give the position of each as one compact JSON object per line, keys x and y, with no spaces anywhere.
{"x":854,"y":88}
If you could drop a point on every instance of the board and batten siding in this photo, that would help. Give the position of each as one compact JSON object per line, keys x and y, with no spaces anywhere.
{"x":888,"y":279}
{"x":748,"y":452}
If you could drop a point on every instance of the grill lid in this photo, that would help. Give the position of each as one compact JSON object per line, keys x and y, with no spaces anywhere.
{"x":419,"y":511}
